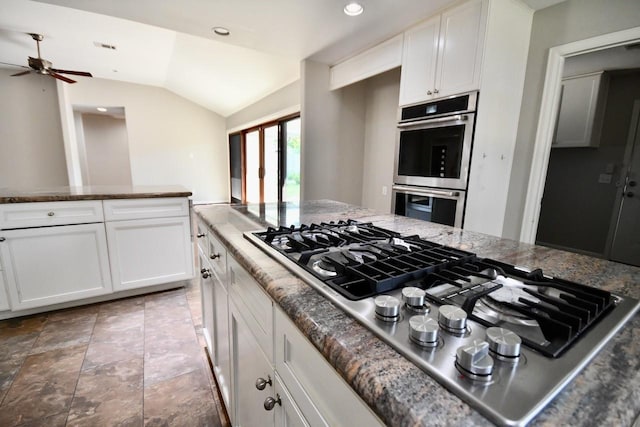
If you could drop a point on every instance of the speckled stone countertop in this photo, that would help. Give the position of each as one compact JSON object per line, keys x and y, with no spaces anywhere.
{"x":100,"y":192}
{"x":605,"y":393}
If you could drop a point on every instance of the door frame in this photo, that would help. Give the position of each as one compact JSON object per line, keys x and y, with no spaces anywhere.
{"x":548,"y":115}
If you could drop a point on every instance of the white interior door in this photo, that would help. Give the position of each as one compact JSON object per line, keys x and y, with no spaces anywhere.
{"x":626,"y":241}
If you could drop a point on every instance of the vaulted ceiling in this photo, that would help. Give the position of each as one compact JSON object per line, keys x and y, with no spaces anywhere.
{"x":170,"y":44}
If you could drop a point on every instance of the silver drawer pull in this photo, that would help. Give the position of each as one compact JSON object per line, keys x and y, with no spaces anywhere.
{"x":214,"y":256}
{"x":2,"y":239}
{"x":261,"y":383}
{"x":50,"y":213}
{"x":270,"y":402}
{"x":199,"y":235}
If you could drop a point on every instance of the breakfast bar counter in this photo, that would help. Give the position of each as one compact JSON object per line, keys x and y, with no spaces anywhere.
{"x":606,"y":392}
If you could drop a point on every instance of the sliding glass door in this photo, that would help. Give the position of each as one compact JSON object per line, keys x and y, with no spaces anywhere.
{"x":270,"y":159}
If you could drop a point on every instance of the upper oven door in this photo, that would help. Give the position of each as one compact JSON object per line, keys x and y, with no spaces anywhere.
{"x":435,"y":152}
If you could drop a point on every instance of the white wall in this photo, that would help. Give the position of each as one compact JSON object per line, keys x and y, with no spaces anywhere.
{"x":332,"y":137}
{"x":381,"y":105}
{"x":278,"y":104}
{"x":172,"y":141}
{"x":106,"y":149}
{"x":31,"y":145}
{"x":566,"y":22}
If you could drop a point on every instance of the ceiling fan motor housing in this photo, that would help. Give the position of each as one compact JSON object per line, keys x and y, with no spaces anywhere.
{"x":42,"y":66}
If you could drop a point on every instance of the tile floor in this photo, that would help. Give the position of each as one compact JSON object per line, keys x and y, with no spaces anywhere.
{"x":130,"y":362}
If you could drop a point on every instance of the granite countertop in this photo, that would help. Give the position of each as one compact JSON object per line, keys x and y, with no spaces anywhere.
{"x":606,"y":392}
{"x":96,"y":192}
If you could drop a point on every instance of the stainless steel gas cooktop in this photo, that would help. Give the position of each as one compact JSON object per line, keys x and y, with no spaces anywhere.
{"x":503,"y":338}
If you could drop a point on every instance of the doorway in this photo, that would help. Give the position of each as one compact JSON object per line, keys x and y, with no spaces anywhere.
{"x":625,"y":242}
{"x":265,"y":162}
{"x":103,"y":146}
{"x":557,"y":59}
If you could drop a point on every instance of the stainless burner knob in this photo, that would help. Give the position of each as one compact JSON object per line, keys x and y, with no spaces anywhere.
{"x":387,"y":306}
{"x":452,"y":318}
{"x":503,"y":342}
{"x":413,"y":296}
{"x":474,"y":359}
{"x":423,"y":330}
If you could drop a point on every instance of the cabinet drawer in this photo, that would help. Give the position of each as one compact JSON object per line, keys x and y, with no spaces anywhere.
{"x":217,"y":256}
{"x":40,"y":214}
{"x":319,"y":391}
{"x":123,"y":209}
{"x":258,"y":304}
{"x":202,"y":235}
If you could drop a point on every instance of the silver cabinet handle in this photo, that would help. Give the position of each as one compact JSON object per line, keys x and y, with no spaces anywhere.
{"x":429,"y":92}
{"x":261,"y":383}
{"x":270,"y":402}
{"x":436,"y":91}
{"x":214,"y":256}
{"x":206,"y":273}
{"x":199,"y":235}
{"x":50,"y":213}
{"x":2,"y":239}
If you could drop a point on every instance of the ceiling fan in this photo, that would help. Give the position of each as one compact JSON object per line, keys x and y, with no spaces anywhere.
{"x":40,"y":65}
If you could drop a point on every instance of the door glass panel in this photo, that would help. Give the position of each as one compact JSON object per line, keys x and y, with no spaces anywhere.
{"x":235,"y":160}
{"x":431,"y":152}
{"x":291,"y":190}
{"x":271,"y":164}
{"x":253,"y":166}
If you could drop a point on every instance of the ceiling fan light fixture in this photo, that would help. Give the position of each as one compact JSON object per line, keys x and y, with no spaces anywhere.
{"x":101,"y":109}
{"x":353,"y":9}
{"x":221,"y":31}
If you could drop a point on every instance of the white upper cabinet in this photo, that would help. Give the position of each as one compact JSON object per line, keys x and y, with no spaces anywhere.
{"x":581,"y":111}
{"x":443,"y":55}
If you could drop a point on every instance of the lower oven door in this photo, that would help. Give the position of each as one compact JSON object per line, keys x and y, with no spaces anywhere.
{"x":429,"y":204}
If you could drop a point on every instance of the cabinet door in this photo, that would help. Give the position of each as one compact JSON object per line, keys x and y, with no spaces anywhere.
{"x":52,"y":265}
{"x":460,"y":49}
{"x":578,"y":116}
{"x":149,"y":251}
{"x":222,"y":359}
{"x":287,"y":413}
{"x":248,"y":365}
{"x":4,"y":298}
{"x":419,"y":62}
{"x":208,"y":306}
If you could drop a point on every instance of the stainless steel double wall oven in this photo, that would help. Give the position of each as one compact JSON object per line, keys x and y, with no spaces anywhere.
{"x":433,"y":154}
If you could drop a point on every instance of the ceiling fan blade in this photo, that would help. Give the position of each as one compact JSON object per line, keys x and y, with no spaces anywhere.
{"x":21,"y":73}
{"x":75,"y":73}
{"x":15,"y":65}
{"x":61,"y":77}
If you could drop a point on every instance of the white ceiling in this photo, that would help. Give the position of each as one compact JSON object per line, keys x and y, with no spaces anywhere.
{"x":169,"y":43}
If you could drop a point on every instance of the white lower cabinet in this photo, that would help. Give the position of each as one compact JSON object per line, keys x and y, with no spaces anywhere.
{"x":145,"y":252}
{"x":323,"y":397}
{"x":52,"y":265}
{"x":252,"y":373}
{"x":278,"y":378}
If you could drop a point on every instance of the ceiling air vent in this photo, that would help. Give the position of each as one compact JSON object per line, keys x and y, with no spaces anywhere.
{"x":104,"y":45}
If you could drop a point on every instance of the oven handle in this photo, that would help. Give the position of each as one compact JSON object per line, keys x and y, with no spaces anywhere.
{"x":456,"y":118}
{"x":422,"y":192}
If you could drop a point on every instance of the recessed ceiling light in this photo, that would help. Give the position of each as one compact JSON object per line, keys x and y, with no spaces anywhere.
{"x":353,"y":9}
{"x":221,"y":31}
{"x":101,"y":109}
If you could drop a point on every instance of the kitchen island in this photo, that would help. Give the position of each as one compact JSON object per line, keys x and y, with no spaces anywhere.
{"x":68,"y":246}
{"x":606,"y":392}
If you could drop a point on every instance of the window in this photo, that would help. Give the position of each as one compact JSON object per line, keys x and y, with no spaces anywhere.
{"x":265,"y":162}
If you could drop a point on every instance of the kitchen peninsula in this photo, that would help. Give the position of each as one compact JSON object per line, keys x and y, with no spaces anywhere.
{"x":606,"y":392}
{"x":68,"y":246}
